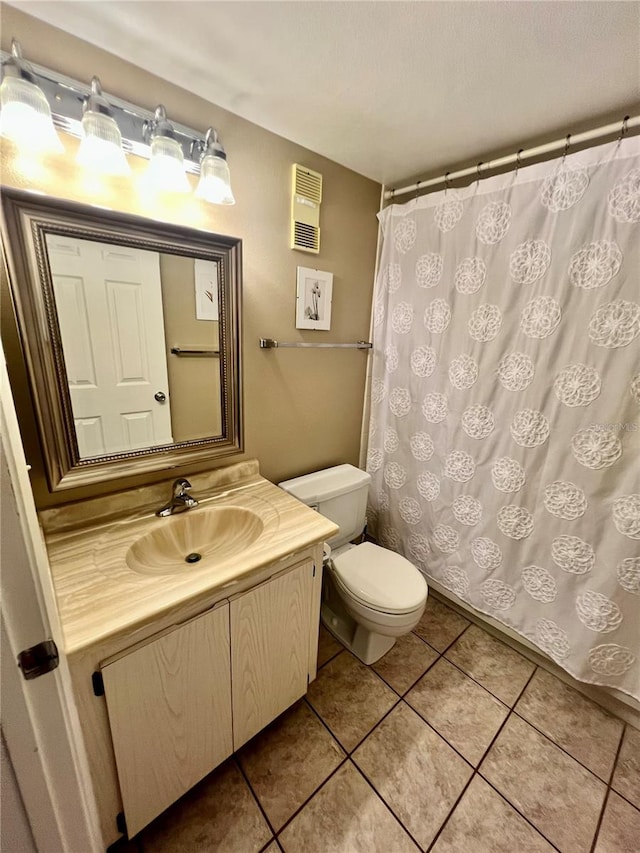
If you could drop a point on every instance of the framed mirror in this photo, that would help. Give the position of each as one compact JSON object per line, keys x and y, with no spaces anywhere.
{"x":130,"y":330}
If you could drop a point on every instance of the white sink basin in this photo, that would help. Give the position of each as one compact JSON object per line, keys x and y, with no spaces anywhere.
{"x":193,"y":540}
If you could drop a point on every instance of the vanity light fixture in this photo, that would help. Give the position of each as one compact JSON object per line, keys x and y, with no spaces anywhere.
{"x":36,"y":102}
{"x":25,"y":115}
{"x":101,"y":146}
{"x":166,"y":168}
{"x":215,"y":179}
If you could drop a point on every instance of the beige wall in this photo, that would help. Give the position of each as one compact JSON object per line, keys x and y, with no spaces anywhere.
{"x":302,"y":408}
{"x":194,"y":382}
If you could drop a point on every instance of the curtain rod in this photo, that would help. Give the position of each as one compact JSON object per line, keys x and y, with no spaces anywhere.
{"x":629,"y":123}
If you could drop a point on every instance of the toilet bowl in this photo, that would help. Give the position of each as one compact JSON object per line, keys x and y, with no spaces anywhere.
{"x":371,"y":596}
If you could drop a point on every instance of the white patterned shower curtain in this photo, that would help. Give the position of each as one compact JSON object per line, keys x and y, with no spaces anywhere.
{"x":504,"y":442}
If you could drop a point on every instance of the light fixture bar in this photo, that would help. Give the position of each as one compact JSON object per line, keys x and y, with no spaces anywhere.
{"x":66,"y":97}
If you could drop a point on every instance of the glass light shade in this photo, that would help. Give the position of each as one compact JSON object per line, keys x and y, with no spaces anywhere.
{"x":166,"y":167}
{"x":215,"y":181}
{"x":101,"y":146}
{"x":26,"y":117}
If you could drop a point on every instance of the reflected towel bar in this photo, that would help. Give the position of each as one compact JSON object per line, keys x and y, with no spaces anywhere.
{"x":269,"y":343}
{"x":193,"y":352}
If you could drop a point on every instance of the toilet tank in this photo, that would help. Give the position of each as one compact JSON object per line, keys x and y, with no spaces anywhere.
{"x":338,"y":493}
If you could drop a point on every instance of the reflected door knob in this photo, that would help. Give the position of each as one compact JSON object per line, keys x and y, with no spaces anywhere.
{"x":160,"y":396}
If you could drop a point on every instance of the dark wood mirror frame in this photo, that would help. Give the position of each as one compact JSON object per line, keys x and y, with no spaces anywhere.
{"x":27,"y":219}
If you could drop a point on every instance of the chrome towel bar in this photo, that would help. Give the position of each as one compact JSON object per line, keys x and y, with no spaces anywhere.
{"x":269,"y":343}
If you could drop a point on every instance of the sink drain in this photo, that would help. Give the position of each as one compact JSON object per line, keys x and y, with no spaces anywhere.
{"x":193,"y":558}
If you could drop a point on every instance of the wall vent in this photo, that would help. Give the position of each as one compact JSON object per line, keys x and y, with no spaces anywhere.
{"x":306,"y":196}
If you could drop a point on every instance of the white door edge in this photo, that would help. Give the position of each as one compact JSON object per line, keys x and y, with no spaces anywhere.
{"x":40,"y":719}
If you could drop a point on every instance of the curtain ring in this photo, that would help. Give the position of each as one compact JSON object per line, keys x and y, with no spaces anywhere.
{"x":478,"y":170}
{"x":567,"y":145}
{"x":624,"y":129}
{"x":446,"y":182}
{"x":518,"y":159}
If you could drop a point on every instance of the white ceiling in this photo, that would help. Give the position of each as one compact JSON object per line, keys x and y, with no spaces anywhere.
{"x":392,"y":90}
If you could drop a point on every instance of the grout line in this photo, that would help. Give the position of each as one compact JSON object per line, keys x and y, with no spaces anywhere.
{"x":486,"y":689}
{"x":609,"y":789}
{"x":413,"y":683}
{"x":311,"y":796}
{"x":386,"y":804}
{"x":255,"y":796}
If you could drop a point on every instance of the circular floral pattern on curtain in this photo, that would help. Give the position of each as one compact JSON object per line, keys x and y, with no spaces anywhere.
{"x":597,"y":612}
{"x":437,"y":316}
{"x":486,"y":553}
{"x":493,"y":222}
{"x":470,"y":275}
{"x":595,"y":447}
{"x":634,"y":388}
{"x":572,"y":554}
{"x":383,"y":501}
{"x":624,"y":198}
{"x":375,"y":458}
{"x":391,"y":358}
{"x":378,"y":391}
{"x":447,"y":214}
{"x":404,"y":235}
{"x":435,"y":407}
{"x":379,"y":312}
{"x":428,"y":270}
{"x":410,"y":510}
{"x":477,"y":421}
{"x":628,"y":574}
{"x":615,"y":324}
{"x":402,"y":318}
{"x":423,"y":361}
{"x":565,"y":500}
{"x":539,"y":583}
{"x":626,"y":515}
{"x":540,"y":317}
{"x":529,"y":428}
{"x":577,"y":385}
{"x":507,"y":474}
{"x":419,"y":547}
{"x":562,"y":190}
{"x":516,"y":371}
{"x":485,"y":322}
{"x":428,"y":485}
{"x":516,"y":522}
{"x":456,"y":579}
{"x":390,"y":441}
{"x":446,"y":538}
{"x":467,"y":510}
{"x":529,"y":261}
{"x":611,"y":659}
{"x":389,"y":538}
{"x":498,"y":594}
{"x":421,"y":446}
{"x":395,"y":475}
{"x":392,"y":278}
{"x":463,"y":372}
{"x":552,"y":639}
{"x":595,"y":264}
{"x":459,"y":466}
{"x":400,"y":402}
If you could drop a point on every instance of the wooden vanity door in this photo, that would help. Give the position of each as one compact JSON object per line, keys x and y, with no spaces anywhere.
{"x":169,"y":705}
{"x":270,"y":629}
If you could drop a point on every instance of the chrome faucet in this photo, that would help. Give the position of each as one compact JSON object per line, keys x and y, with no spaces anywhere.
{"x":181,"y":499}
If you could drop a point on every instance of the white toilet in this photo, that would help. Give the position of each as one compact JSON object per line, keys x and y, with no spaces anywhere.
{"x":371,"y":595}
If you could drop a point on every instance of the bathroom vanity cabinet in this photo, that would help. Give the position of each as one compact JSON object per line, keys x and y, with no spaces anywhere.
{"x":181,"y":693}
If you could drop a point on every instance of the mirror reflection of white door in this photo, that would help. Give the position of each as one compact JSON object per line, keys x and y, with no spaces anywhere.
{"x":109,"y":303}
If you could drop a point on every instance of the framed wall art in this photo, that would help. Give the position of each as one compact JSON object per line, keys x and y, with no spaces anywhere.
{"x":313,"y":300}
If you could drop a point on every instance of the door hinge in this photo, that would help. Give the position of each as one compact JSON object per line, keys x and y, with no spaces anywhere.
{"x":121,"y":823}
{"x":98,"y":683}
{"x":314,"y":570}
{"x":39,"y":659}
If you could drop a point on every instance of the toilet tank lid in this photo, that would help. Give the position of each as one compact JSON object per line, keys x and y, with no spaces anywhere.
{"x":326,"y":484}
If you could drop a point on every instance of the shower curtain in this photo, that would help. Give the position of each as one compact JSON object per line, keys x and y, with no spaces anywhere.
{"x":504,"y":441}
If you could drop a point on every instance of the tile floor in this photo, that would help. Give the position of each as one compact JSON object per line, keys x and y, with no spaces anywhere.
{"x":452,"y":743}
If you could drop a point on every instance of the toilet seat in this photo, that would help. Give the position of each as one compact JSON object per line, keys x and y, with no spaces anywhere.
{"x":380,"y":579}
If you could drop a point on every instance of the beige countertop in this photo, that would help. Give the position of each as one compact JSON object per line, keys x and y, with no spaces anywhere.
{"x":98,"y":594}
